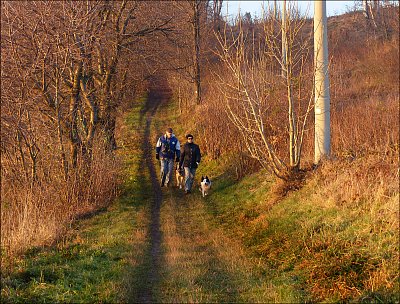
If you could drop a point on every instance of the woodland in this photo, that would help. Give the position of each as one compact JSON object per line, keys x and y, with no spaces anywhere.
{"x":70,"y":70}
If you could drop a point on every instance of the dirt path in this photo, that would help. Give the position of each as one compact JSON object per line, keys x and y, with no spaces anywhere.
{"x":188,"y":259}
{"x":145,"y":291}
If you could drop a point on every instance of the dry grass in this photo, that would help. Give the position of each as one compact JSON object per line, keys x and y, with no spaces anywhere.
{"x":365,"y":179}
{"x":39,"y":215}
{"x":335,"y":239}
{"x":204,"y":265}
{"x":352,"y":251}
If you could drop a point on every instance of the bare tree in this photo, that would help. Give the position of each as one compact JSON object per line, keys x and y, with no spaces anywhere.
{"x":187,"y":40}
{"x":196,"y":34}
{"x":255,"y":92}
{"x":66,"y":69}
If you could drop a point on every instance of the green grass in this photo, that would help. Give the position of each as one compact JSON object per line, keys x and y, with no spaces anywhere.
{"x":308,"y":248}
{"x":311,"y":249}
{"x":239,"y":244}
{"x":94,"y":262}
{"x":87,"y":269}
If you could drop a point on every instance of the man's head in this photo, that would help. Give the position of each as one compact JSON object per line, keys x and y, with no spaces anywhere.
{"x":168,"y":132}
{"x":189,"y":138}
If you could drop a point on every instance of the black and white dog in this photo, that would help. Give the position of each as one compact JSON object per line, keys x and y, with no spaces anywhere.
{"x":205,"y":185}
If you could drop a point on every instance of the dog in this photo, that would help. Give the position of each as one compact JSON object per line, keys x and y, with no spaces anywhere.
{"x":205,"y":185}
{"x":180,"y":176}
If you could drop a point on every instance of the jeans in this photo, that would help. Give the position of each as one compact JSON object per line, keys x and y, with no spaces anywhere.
{"x":189,"y":177}
{"x":167,"y":166}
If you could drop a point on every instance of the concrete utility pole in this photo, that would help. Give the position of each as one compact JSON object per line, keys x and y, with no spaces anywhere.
{"x":322,"y":145}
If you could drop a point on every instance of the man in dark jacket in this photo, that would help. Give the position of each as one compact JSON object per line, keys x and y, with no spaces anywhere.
{"x":190,"y":159}
{"x":167,"y":147}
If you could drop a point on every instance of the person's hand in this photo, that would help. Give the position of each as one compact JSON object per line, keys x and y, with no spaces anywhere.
{"x":157,"y":156}
{"x":177,"y":160}
{"x":197,"y":163}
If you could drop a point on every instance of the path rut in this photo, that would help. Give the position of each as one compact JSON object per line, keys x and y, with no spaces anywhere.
{"x":158,"y":94}
{"x":188,"y":258}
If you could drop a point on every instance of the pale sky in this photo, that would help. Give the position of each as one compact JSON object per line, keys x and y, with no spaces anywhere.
{"x":254,"y":7}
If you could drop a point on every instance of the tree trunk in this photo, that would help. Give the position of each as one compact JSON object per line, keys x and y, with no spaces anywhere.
{"x":284,"y":40}
{"x":196,"y":33}
{"x":73,"y":112}
{"x":322,"y":135}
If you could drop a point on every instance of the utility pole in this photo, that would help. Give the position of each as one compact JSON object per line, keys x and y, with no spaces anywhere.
{"x":322,"y":135}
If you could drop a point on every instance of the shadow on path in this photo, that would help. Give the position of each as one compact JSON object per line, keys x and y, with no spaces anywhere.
{"x":148,"y":273}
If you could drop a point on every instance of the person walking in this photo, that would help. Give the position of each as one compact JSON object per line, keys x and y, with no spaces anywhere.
{"x":190,"y":159}
{"x":167,"y":148}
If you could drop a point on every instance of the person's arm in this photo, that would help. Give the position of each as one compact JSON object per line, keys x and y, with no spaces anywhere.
{"x":178,"y":150}
{"x":158,"y":148}
{"x":182,"y":157}
{"x":198,"y":157}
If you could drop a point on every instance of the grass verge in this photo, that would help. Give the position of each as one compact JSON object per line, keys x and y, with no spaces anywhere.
{"x":95,"y":261}
{"x":313,"y":245}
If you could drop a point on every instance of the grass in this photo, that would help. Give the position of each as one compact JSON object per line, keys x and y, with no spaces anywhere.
{"x":327,"y":242}
{"x":312,"y":247}
{"x":202,"y":264}
{"x":95,"y":261}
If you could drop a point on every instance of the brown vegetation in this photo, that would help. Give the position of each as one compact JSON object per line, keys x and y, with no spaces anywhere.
{"x":66,"y":69}
{"x":69,"y":67}
{"x":364,"y":73}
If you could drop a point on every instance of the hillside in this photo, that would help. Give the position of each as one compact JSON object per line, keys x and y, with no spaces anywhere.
{"x":84,"y":218}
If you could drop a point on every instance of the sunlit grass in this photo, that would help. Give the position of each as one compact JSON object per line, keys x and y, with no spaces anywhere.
{"x":311,"y":248}
{"x":94,"y":262}
{"x":242,"y":243}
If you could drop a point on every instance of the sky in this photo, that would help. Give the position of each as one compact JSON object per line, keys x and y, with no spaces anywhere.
{"x":254,"y":7}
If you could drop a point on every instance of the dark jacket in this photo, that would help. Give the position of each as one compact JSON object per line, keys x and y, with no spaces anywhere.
{"x":190,"y":155}
{"x":167,"y":148}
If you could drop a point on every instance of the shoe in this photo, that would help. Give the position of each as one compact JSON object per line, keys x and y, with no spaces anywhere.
{"x":187,"y":191}
{"x":162,"y":185}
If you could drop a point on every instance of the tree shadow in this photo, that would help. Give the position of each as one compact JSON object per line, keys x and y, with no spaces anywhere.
{"x":146,"y":276}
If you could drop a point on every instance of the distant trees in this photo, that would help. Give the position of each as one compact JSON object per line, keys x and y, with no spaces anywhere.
{"x":377,"y":14}
{"x":186,"y":47}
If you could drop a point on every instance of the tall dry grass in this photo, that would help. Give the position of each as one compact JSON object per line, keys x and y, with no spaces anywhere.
{"x":351,"y":250}
{"x":38,"y":214}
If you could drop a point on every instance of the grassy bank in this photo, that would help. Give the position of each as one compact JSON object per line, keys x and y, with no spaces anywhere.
{"x":95,"y":260}
{"x":336,"y":239}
